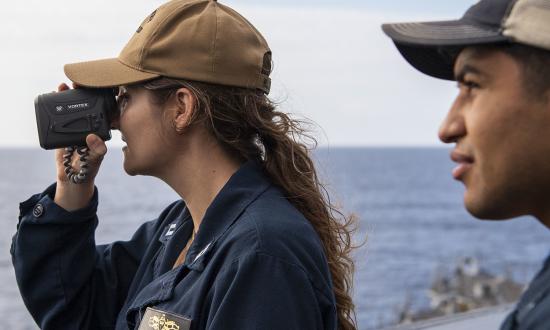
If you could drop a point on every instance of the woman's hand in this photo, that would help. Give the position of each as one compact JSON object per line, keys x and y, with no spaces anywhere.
{"x":72,"y":196}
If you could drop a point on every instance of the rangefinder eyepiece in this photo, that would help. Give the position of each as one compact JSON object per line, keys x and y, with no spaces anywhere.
{"x":65,"y":118}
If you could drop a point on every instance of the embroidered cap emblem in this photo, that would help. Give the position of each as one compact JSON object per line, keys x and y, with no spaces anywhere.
{"x":147,"y":20}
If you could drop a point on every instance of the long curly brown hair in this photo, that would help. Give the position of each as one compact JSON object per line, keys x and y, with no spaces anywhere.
{"x":248,"y":125}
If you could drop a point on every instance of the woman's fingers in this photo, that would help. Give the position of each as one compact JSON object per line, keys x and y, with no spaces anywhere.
{"x":62,"y":87}
{"x":96,"y":147}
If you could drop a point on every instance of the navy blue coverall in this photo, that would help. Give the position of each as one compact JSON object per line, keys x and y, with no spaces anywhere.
{"x":255,"y":263}
{"x":532,"y":312}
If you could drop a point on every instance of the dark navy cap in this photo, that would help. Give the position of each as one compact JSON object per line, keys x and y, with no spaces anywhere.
{"x":432,"y":47}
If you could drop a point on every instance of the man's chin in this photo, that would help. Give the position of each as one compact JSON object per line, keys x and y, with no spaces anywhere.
{"x":483,"y":210}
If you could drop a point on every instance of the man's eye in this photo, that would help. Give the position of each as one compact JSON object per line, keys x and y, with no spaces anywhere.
{"x":468,"y":85}
{"x":471,"y":84}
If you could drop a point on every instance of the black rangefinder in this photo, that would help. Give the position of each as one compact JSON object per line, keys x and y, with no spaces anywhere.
{"x":65,"y":118}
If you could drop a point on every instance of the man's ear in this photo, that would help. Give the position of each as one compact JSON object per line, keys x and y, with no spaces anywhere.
{"x":184,"y":109}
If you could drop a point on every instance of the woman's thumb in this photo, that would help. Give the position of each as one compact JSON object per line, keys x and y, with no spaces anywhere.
{"x":96,"y":145}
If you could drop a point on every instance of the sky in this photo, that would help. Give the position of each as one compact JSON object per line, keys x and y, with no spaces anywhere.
{"x":333,"y":65}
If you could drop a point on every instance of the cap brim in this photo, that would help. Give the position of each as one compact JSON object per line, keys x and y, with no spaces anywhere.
{"x":431,"y":47}
{"x":105,"y":73}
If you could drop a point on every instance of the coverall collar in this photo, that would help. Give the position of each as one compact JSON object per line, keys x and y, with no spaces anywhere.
{"x":241,"y":190}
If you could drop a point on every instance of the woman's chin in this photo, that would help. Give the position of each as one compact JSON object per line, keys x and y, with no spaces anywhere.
{"x":128,"y":168}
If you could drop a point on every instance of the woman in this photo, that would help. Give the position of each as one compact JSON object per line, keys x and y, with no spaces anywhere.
{"x":253,"y":244}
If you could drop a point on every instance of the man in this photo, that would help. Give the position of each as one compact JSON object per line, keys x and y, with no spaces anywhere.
{"x":499,"y":53}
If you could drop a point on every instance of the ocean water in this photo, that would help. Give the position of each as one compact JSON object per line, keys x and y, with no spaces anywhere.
{"x":409,"y":208}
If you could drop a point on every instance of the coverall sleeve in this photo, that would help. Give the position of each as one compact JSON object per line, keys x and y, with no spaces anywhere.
{"x":66,"y":281}
{"x":260,"y":291}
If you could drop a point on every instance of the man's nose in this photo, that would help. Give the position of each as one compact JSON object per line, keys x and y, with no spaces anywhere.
{"x":453,"y":127}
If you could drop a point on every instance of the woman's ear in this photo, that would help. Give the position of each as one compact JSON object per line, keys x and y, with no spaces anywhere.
{"x":184,"y":110}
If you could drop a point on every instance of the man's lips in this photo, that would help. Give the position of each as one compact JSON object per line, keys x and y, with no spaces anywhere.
{"x":464,"y":161}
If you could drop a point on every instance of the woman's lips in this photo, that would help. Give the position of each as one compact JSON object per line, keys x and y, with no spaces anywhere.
{"x":124,"y":140}
{"x":465,"y":163}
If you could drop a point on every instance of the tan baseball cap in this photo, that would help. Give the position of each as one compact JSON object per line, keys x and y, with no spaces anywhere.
{"x":200,"y":40}
{"x":431,"y":47}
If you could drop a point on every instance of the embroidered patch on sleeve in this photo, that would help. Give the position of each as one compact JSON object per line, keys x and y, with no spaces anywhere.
{"x":159,"y":320}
